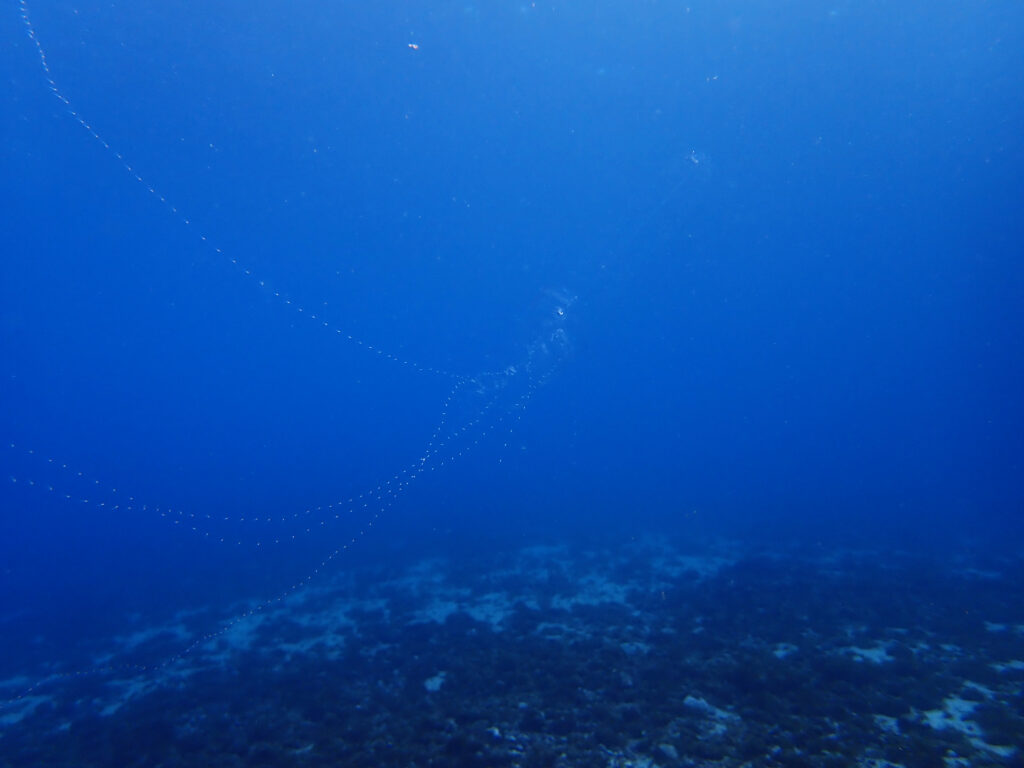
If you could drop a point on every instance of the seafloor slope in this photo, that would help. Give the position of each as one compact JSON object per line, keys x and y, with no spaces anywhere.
{"x":647,"y":655}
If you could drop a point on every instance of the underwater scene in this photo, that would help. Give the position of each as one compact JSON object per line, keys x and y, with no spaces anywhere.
{"x":528,"y":384}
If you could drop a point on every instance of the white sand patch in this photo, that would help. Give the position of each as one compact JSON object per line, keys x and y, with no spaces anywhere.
{"x":333,"y":642}
{"x":18,"y":682}
{"x":437,"y":611}
{"x":668,"y":563}
{"x":433,"y":684}
{"x":14,"y":711}
{"x":126,"y":691}
{"x":337,"y":616}
{"x":492,"y":608}
{"x":878,"y":654}
{"x":622,"y":760}
{"x":331,"y":626}
{"x":240,"y":635}
{"x":426,"y":576}
{"x":533,"y":566}
{"x":635,"y":649}
{"x":1015,"y":665}
{"x":718,"y":719}
{"x":782,"y":650}
{"x":955,"y":715}
{"x":702,"y":705}
{"x":669,"y":751}
{"x":887,"y":724}
{"x":141,"y":637}
{"x":705,"y":566}
{"x":553,"y":630}
{"x":983,"y":689}
{"x":955,"y":761}
{"x":594,"y":589}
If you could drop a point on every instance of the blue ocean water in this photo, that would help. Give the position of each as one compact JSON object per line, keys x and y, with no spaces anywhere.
{"x":297,"y":299}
